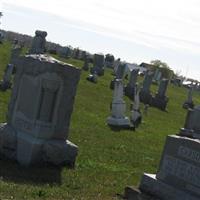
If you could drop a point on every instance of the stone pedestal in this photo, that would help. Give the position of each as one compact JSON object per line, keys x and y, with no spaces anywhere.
{"x":98,"y":66}
{"x":118,"y":107}
{"x":39,"y":112}
{"x":179,"y":171}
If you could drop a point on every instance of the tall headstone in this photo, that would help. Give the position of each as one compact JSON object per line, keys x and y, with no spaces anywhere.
{"x":118,"y":107}
{"x":120,"y":72}
{"x":86,"y":63}
{"x":39,"y":112}
{"x":145,"y":93}
{"x":136,"y":116}
{"x":179,"y":171}
{"x":38,"y":43}
{"x":160,"y":100}
{"x":130,"y":88}
{"x":189,"y":102}
{"x":98,"y":65}
{"x":157,"y":75}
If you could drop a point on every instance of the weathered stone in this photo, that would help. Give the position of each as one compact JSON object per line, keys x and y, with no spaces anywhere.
{"x":38,"y":43}
{"x":118,"y":107}
{"x":160,"y":100}
{"x":86,"y":64}
{"x":40,"y":107}
{"x":130,"y":88}
{"x":189,"y":102}
{"x":136,"y":116}
{"x":178,"y":174}
{"x":98,"y":66}
{"x":145,"y":93}
{"x":192,"y":123}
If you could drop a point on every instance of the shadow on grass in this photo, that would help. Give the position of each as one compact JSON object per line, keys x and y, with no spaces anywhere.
{"x":121,"y":128}
{"x":43,"y":174}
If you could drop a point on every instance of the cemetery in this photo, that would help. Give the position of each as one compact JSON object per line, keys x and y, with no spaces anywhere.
{"x":80,"y":125}
{"x":104,"y":160}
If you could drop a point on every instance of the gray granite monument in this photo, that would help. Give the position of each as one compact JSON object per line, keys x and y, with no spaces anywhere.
{"x":130,"y":87}
{"x":120,"y":72}
{"x":38,"y":43}
{"x":86,"y":63}
{"x":118,"y":107}
{"x":98,"y":65}
{"x":189,"y":102}
{"x":145,"y":93}
{"x":160,"y":100}
{"x":136,"y":116}
{"x":178,"y":176}
{"x":39,"y":112}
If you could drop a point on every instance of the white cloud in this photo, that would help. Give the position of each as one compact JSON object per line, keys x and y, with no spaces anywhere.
{"x":156,"y":24}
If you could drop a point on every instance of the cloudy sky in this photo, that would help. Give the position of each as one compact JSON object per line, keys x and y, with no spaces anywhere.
{"x":134,"y":30}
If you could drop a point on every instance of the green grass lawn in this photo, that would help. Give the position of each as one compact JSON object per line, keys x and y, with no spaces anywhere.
{"x":107,"y":160}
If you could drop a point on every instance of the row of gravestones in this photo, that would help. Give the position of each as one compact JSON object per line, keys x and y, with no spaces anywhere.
{"x":37,"y":127}
{"x":160,"y":100}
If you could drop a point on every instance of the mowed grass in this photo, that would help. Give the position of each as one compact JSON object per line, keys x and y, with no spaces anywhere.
{"x":107,"y":160}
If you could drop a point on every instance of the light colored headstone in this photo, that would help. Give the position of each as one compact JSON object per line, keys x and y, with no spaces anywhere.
{"x":39,"y":112}
{"x":118,"y":108}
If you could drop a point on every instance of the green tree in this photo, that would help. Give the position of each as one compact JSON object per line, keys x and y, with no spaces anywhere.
{"x":166,"y":71}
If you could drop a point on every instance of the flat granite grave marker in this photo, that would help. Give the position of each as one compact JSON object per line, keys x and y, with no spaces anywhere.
{"x":39,"y":112}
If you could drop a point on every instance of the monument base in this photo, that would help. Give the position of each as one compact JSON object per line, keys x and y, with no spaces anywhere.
{"x":28,"y":150}
{"x":121,"y":122}
{"x":151,"y":185}
{"x":160,"y":102}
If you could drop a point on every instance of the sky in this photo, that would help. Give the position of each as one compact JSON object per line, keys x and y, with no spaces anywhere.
{"x":134,"y":30}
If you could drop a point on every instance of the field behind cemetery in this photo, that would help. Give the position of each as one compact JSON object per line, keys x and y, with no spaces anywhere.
{"x":108,"y":160}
